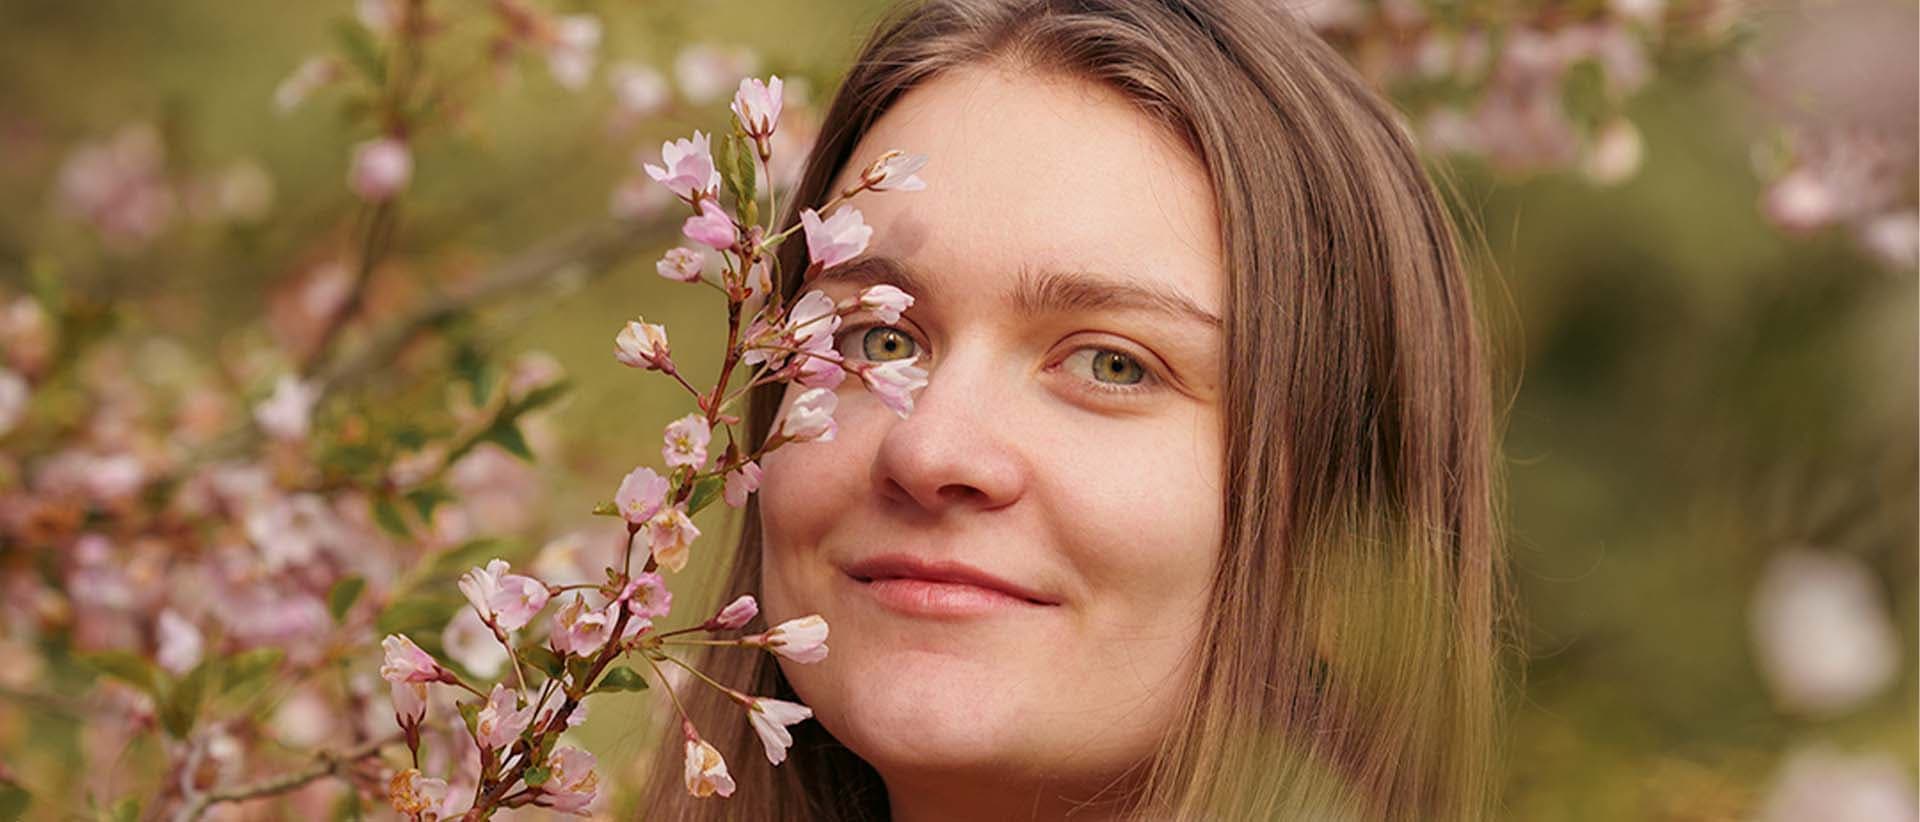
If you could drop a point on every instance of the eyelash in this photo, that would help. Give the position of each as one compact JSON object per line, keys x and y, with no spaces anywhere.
{"x":1150,"y":379}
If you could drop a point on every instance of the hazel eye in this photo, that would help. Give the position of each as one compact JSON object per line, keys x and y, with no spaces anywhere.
{"x":881,"y":343}
{"x":1106,"y":371}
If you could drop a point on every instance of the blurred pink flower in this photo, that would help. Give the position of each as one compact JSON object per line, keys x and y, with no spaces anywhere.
{"x":712,"y":228}
{"x":706,"y":770}
{"x":470,"y":642}
{"x":687,"y":168}
{"x":681,"y":265}
{"x":894,"y":382}
{"x":288,"y":413}
{"x":312,"y":75}
{"x":886,"y":302}
{"x":180,"y":643}
{"x":670,"y":535}
{"x":837,"y":239}
{"x":571,"y":784}
{"x":1822,"y":783}
{"x":501,"y":720}
{"x":641,"y":494}
{"x":736,"y":615}
{"x":637,"y":198}
{"x":13,"y":400}
{"x":119,"y":187}
{"x":641,"y":344}
{"x":770,"y":718}
{"x":380,"y":169}
{"x":810,"y":417}
{"x":757,"y":104}
{"x":1822,"y":632}
{"x":705,"y":72}
{"x":741,"y":482}
{"x":572,"y":50}
{"x":382,"y":17}
{"x":801,"y":640}
{"x":640,"y":90}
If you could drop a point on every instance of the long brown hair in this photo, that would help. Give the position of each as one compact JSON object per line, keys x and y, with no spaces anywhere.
{"x":1349,"y":661}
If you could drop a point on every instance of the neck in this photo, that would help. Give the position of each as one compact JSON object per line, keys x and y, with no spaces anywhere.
{"x":945,"y":797}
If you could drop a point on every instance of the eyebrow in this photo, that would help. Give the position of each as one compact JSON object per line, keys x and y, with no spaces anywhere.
{"x":1037,"y":292}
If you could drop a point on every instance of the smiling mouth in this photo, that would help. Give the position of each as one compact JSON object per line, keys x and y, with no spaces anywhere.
{"x":944,"y":588}
{"x":916,"y":586}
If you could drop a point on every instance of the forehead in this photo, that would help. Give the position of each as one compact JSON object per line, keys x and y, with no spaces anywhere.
{"x":1041,"y":171}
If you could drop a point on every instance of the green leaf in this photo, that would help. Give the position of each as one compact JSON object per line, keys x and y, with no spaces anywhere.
{"x":422,"y":615}
{"x":126,"y":810}
{"x":739,"y":174}
{"x":538,"y":776}
{"x":361,"y":51}
{"x":181,"y":706}
{"x":507,"y":435}
{"x":127,"y":667}
{"x":471,"y":367}
{"x":244,"y":668}
{"x":622,"y":678}
{"x":13,"y":801}
{"x":426,"y":499}
{"x":544,"y":395}
{"x":469,"y":554}
{"x":348,"y":808}
{"x":388,"y":515}
{"x":704,"y":493}
{"x":342,"y":596}
{"x":606,"y":509}
{"x":544,"y":659}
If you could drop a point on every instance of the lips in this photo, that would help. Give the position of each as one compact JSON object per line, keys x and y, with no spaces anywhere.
{"x":908,"y":567}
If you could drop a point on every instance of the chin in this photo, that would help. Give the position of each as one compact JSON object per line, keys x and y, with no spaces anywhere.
{"x":904,"y":709}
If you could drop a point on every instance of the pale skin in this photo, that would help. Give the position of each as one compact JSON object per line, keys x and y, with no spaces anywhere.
{"x":1013,"y":461}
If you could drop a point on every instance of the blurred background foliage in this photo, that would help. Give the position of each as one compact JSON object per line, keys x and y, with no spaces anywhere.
{"x":1692,"y":392}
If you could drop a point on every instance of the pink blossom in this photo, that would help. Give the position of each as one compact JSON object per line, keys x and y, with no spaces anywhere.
{"x":688,"y":168}
{"x":501,"y":720}
{"x":382,"y":17}
{"x":759,"y":334}
{"x":736,"y":615}
{"x":571,"y":783}
{"x":415,"y":794}
{"x":288,"y":413}
{"x":706,"y":770}
{"x":812,"y":321}
{"x":647,"y":596}
{"x":575,"y":717}
{"x":641,"y":344}
{"x":641,"y":494}
{"x":504,"y":599}
{"x":810,"y":418}
{"x":758,"y":105}
{"x":820,"y":370}
{"x":640,"y":90}
{"x":410,"y":702}
{"x":896,"y":170}
{"x":1614,"y":156}
{"x":380,"y":169}
{"x":312,"y":75}
{"x":837,"y":239}
{"x":686,"y":442}
{"x":681,"y":265}
{"x":894,"y":382}
{"x":405,"y":662}
{"x":741,"y":482}
{"x":801,"y":640}
{"x":119,"y":186}
{"x":770,"y":718}
{"x":886,"y":302}
{"x":571,"y":50}
{"x":580,"y":630}
{"x":670,"y":535}
{"x":712,"y":228}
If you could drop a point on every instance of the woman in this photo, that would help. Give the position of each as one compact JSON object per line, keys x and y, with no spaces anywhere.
{"x":1195,"y":517}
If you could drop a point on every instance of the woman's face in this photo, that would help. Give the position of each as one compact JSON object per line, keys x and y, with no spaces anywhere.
{"x":1064,"y":260}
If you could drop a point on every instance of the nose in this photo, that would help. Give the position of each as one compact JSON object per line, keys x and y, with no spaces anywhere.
{"x":957,"y":448}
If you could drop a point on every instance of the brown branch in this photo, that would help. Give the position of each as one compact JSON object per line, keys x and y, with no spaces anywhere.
{"x":330,"y":764}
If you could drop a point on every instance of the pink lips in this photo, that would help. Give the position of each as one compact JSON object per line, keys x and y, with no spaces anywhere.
{"x":921,"y":587}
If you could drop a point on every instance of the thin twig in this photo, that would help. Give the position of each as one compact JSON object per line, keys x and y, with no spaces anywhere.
{"x":329,"y":765}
